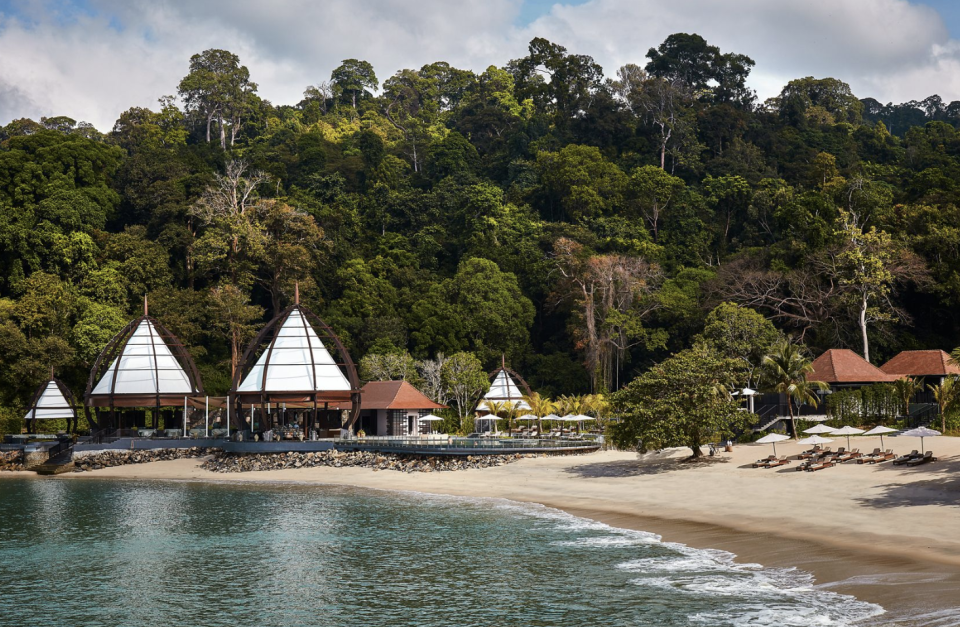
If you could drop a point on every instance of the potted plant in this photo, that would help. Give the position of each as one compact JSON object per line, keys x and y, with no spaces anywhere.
{"x":361,"y":433}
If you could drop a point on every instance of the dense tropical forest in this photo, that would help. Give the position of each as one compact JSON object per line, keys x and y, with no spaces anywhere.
{"x":583,"y":227}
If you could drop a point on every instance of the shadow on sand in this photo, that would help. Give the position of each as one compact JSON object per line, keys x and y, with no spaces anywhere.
{"x":649,"y":464}
{"x":937,"y":483}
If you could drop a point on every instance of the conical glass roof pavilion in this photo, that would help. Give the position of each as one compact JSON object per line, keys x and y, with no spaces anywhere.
{"x":51,"y":401}
{"x":504,"y":389}
{"x":144,"y":365}
{"x":296,"y":361}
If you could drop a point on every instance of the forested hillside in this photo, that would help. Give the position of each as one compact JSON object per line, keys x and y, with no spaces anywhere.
{"x":581,"y":226}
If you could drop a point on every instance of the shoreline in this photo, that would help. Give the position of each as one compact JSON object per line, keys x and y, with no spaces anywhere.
{"x":905,"y":572}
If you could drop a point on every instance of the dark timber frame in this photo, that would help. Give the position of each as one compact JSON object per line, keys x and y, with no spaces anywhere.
{"x":113,"y":350}
{"x":513,"y":374}
{"x":67,"y":394}
{"x":311,"y":399}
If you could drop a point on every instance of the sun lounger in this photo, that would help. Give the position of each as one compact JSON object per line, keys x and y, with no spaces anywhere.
{"x":774,"y":463}
{"x":826,"y":463}
{"x":903,"y":459}
{"x":855,"y":453}
{"x":867,"y":459}
{"x":926,"y":457}
{"x":813,"y":460}
{"x":761,"y":462}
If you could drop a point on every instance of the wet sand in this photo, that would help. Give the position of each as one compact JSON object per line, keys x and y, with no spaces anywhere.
{"x":884,"y":534}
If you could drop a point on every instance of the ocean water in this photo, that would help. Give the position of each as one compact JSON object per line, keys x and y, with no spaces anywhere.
{"x":104,"y":554}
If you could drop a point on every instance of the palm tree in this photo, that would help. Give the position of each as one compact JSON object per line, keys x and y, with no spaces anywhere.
{"x":599,"y":406}
{"x":496,"y":409}
{"x":906,"y":388}
{"x":786,"y":368}
{"x":946,"y":396}
{"x":540,"y":406}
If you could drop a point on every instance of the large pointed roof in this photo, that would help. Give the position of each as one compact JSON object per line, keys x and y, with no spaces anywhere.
{"x":842,"y":365}
{"x":923,"y":363}
{"x":145,"y":367}
{"x":296,"y":360}
{"x":50,"y":403}
{"x":503,"y":390}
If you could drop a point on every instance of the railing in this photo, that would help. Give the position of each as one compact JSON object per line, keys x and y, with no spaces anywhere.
{"x":63,"y":448}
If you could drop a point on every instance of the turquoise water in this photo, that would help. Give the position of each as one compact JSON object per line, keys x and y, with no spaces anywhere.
{"x":100,"y":553}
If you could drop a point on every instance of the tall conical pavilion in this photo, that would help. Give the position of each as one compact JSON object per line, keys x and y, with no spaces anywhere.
{"x":51,"y":401}
{"x":289,"y":367}
{"x":142,"y":366}
{"x":504,"y":389}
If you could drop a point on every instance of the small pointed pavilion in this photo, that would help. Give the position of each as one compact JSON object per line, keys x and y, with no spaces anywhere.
{"x":52,"y":401}
{"x":504,"y":388}
{"x":288,"y":375}
{"x":143,"y":366}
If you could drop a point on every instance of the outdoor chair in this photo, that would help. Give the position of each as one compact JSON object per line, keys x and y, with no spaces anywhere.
{"x":855,"y":453}
{"x":927,"y":457}
{"x":774,"y":463}
{"x":870,"y":458}
{"x":825,"y":463}
{"x":816,"y":459}
{"x":765,"y":460}
{"x":903,"y":459}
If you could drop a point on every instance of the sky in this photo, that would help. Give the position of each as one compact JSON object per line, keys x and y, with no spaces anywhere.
{"x":93,"y":59}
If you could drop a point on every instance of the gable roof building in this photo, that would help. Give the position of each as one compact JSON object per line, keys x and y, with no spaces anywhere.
{"x":394,"y":395}
{"x":841,"y":366}
{"x":922,"y":363}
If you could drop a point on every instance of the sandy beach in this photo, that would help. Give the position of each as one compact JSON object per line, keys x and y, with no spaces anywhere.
{"x":882,"y":533}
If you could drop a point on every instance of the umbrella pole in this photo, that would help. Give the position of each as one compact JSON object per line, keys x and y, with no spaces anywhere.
{"x":774,"y":448}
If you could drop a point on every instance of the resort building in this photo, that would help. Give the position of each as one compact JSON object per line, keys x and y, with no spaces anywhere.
{"x":394,"y":408}
{"x":504,"y":389}
{"x":843,"y":368}
{"x":295,"y":375}
{"x":52,"y":401}
{"x":143,"y":366}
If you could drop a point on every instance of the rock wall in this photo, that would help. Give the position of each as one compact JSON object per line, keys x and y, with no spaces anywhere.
{"x":107,"y":459}
{"x":11,"y":460}
{"x":231,"y":462}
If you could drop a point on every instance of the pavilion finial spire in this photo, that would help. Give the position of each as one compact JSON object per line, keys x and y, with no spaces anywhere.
{"x":503,"y":361}
{"x":296,"y":292}
{"x":146,"y":308}
{"x":51,"y":371}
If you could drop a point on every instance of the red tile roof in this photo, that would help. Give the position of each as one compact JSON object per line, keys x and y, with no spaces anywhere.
{"x":394,"y":395}
{"x":920,"y":364}
{"x":841,"y":365}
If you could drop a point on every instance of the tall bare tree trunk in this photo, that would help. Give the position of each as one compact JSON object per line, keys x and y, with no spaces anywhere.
{"x":863,"y":328}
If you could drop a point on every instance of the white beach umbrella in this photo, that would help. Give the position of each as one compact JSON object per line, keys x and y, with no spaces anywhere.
{"x":814,"y":439}
{"x":820,"y":429}
{"x":848,"y":431}
{"x":528,"y":417}
{"x":880,"y":431}
{"x":773,"y":438}
{"x":921,"y":432}
{"x":430,"y":418}
{"x":745,"y":392}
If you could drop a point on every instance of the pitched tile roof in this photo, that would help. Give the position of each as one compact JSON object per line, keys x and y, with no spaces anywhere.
{"x":920,"y":364}
{"x":841,"y":365}
{"x":394,"y":395}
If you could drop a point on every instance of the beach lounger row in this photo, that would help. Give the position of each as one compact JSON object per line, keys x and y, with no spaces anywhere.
{"x":825,"y":458}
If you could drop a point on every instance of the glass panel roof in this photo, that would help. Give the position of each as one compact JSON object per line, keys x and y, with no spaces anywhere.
{"x":297,"y":361}
{"x":51,"y":404}
{"x":146,"y":366}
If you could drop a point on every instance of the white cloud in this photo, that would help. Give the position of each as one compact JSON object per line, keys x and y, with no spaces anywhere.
{"x":92,"y":66}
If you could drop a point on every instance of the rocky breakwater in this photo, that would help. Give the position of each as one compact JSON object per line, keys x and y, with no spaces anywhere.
{"x":107,"y":459}
{"x":231,"y":462}
{"x":11,"y":460}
